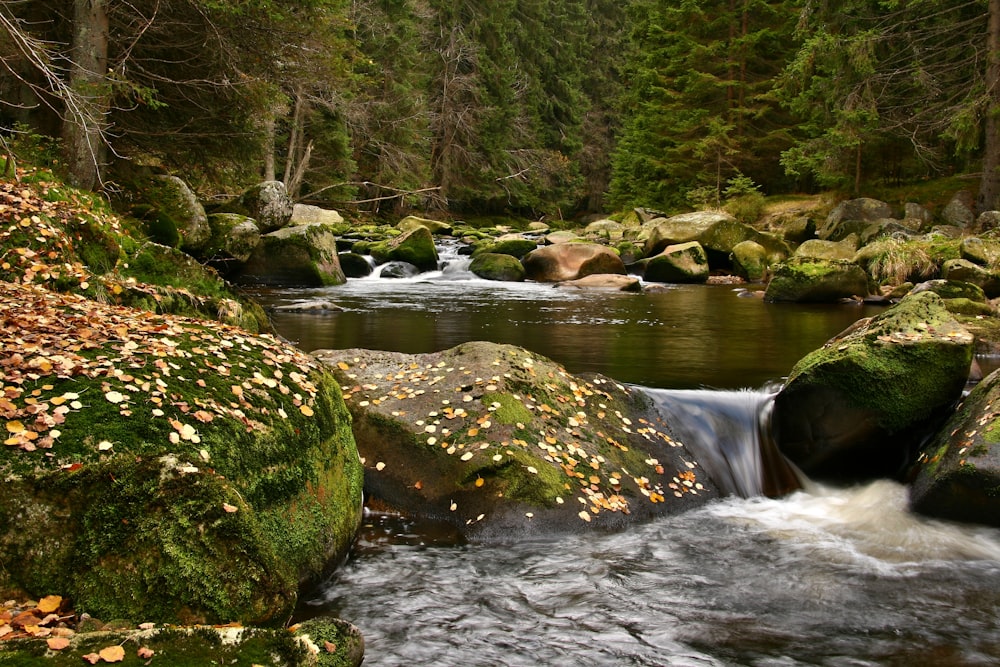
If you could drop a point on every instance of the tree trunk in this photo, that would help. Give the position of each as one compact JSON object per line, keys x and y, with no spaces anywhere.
{"x":989,"y":186}
{"x":85,"y":116}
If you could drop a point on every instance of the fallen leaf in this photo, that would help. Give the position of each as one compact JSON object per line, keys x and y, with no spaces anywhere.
{"x":112,"y":654}
{"x":306,"y":410}
{"x":57,"y":643}
{"x":230,"y":508}
{"x":92,"y":658}
{"x":145,"y":652}
{"x":330,"y":647}
{"x":49,"y":604}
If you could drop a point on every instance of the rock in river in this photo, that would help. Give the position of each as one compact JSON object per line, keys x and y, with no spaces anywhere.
{"x":501,"y":442}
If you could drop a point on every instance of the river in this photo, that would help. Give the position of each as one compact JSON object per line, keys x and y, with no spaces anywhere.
{"x":826,"y":576}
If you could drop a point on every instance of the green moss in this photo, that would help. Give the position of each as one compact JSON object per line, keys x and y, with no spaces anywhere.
{"x":511,"y":410}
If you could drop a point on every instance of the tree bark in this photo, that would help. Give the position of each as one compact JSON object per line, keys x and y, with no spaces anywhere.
{"x":85,"y":116}
{"x":989,"y":186}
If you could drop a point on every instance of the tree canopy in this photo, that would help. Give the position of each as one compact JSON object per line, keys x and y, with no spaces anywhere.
{"x":531,"y":107}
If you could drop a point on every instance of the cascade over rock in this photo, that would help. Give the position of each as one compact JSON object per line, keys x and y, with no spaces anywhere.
{"x":569,"y":261}
{"x":853,"y":407}
{"x":499,"y":441}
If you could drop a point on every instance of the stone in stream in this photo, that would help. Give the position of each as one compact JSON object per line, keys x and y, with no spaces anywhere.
{"x":856,"y":407}
{"x":415,"y":247}
{"x":681,"y":263}
{"x":958,"y":472}
{"x":303,"y":256}
{"x":497,"y":266}
{"x":501,"y":442}
{"x":805,"y":279}
{"x":569,"y":261}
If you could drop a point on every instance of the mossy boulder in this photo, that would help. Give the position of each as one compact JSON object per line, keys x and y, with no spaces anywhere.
{"x":303,"y":256}
{"x":166,"y":469}
{"x":321,"y":642}
{"x":306,"y":214}
{"x":681,"y":263}
{"x":415,"y":247}
{"x":176,"y":207}
{"x":234,"y":238}
{"x":497,"y":266}
{"x":958,"y":471}
{"x":500,"y":442}
{"x":805,"y":279}
{"x":857,"y":407}
{"x":569,"y":261}
{"x":435,"y":227}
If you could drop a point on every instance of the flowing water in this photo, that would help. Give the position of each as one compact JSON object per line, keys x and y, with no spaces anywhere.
{"x":822,"y":577}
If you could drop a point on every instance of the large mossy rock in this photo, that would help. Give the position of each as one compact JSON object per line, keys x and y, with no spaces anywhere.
{"x":304,"y":256}
{"x":501,"y":442}
{"x":958,"y":473}
{"x":306,"y":214}
{"x":175,"y":201}
{"x":835,"y":250}
{"x":166,"y":469}
{"x":805,"y":279}
{"x":436,"y":227}
{"x":750,"y":261}
{"x":856,"y":407}
{"x":570,"y":261}
{"x":497,"y":266}
{"x":681,"y":263}
{"x":320,"y":642}
{"x":415,"y":247}
{"x":515,"y":245}
{"x":965,"y":271}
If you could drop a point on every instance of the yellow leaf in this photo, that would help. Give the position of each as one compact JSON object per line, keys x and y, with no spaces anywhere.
{"x":306,"y":410}
{"x":480,"y":481}
{"x":49,"y":603}
{"x":585,"y":515}
{"x":15,"y":427}
{"x":230,"y":509}
{"x":342,"y":366}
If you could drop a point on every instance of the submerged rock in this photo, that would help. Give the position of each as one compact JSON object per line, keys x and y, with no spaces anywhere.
{"x":608,"y":281}
{"x":958,"y":472}
{"x":501,"y":442}
{"x":855,"y":407}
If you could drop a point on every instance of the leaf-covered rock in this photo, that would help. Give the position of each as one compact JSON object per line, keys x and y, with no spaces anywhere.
{"x":162,"y":468}
{"x":500,"y":442}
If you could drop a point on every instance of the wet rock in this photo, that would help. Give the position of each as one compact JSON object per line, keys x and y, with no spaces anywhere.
{"x":414,"y":247}
{"x":399,"y":270}
{"x":569,"y":261}
{"x":856,"y":407}
{"x":681,"y":263}
{"x":304,"y":256}
{"x":804,"y":279}
{"x":958,"y":472}
{"x":495,"y":266}
{"x":309,"y":307}
{"x":500,"y":442}
{"x":354,"y":265}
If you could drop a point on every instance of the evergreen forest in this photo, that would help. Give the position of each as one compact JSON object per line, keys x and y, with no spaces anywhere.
{"x":534,"y":108}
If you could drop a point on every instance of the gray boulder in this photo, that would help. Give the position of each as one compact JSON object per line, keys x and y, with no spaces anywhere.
{"x":852,"y":216}
{"x":304,"y":256}
{"x":750,"y":261}
{"x":958,"y":471}
{"x":857,"y":407}
{"x":805,"y":279}
{"x":398,"y":269}
{"x":268,"y":203}
{"x":959,"y":211}
{"x":681,"y":263}
{"x":562,"y":236}
{"x":965,"y":271}
{"x":569,"y":261}
{"x":987,"y":221}
{"x":920,"y":216}
{"x":411,"y":222}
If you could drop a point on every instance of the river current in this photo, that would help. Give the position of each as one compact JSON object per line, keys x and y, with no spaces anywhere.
{"x":826,"y":576}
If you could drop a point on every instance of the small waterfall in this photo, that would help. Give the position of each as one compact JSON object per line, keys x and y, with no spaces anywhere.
{"x":728,"y":432}
{"x":451,"y":262}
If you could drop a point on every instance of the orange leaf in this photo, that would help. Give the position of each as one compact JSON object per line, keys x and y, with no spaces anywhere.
{"x":112,"y":654}
{"x":306,"y":410}
{"x":92,"y":658}
{"x":145,"y":652}
{"x":57,"y":643}
{"x":230,"y":508}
